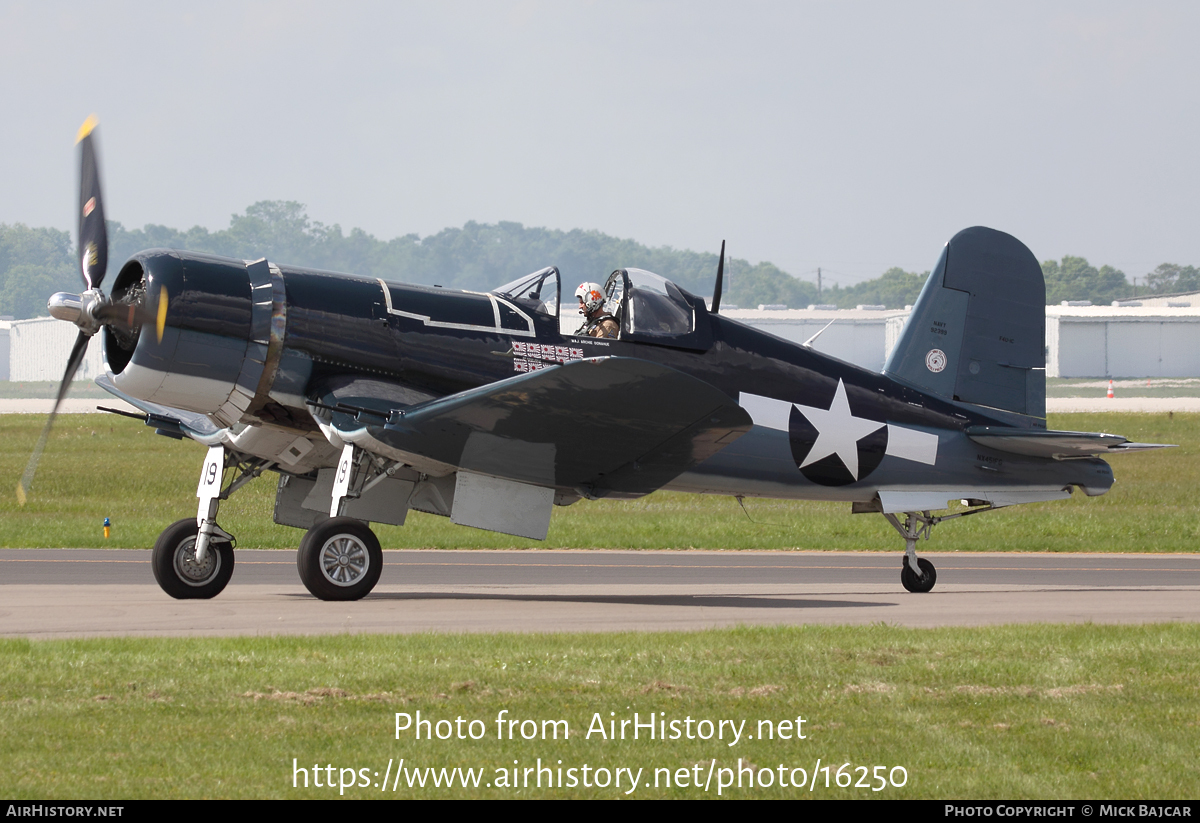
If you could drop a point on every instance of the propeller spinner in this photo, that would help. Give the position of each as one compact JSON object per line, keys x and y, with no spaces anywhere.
{"x":92,"y":309}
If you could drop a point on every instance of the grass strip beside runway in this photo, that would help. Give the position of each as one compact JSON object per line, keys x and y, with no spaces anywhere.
{"x":98,"y":466}
{"x":1011,"y":712}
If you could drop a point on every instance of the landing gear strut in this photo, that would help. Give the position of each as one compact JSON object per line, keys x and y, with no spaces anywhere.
{"x":339,"y":559}
{"x":916,"y":574}
{"x":193,"y":558}
{"x":177,"y":570}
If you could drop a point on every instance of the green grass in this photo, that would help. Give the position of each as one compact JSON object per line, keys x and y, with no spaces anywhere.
{"x":1010,"y":712}
{"x":35,"y":389}
{"x":99,"y":466}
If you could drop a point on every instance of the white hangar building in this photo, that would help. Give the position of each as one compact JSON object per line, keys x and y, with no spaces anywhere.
{"x":38,"y":349}
{"x":857,"y":335}
{"x":1126,"y":340}
{"x":1122,"y":341}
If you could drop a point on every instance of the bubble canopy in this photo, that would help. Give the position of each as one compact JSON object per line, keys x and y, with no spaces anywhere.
{"x":648,"y":307}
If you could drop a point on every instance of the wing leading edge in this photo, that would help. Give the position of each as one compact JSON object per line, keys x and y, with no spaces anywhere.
{"x":170,"y":421}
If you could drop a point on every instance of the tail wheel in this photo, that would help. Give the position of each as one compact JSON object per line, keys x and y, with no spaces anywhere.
{"x":921,"y":584}
{"x":340,"y":559}
{"x":176,"y":569}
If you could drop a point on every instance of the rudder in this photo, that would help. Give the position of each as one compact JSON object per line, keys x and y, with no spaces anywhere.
{"x":977,"y":332}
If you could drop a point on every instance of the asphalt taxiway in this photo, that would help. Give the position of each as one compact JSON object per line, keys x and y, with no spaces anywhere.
{"x":88,"y":593}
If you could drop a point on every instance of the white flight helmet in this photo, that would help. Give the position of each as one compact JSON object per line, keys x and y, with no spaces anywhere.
{"x":590,"y":297}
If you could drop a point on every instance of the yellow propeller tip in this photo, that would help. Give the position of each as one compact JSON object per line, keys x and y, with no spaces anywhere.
{"x":87,"y":127}
{"x":20,"y":494}
{"x":162,"y":313}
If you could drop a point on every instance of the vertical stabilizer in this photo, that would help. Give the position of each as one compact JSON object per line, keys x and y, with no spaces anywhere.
{"x":977,"y":332}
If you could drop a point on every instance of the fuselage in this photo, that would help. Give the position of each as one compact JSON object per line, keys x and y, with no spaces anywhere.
{"x":255,"y":343}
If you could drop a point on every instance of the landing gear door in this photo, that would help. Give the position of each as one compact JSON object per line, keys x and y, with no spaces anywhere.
{"x":209,"y":488}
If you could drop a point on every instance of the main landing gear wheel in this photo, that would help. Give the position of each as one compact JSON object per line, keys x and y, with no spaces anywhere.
{"x":176,"y":569}
{"x":340,"y":559}
{"x":921,"y":584}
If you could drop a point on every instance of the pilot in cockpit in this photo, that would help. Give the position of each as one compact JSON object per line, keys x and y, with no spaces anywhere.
{"x":596,"y":321}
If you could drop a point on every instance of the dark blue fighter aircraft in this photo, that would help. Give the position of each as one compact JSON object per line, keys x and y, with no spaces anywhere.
{"x":369,"y":398}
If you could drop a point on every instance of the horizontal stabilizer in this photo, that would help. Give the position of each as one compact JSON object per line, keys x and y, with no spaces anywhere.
{"x":1054,"y":444}
{"x":606,"y":425}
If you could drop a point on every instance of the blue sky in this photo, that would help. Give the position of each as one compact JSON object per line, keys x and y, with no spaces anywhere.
{"x":851,"y":136}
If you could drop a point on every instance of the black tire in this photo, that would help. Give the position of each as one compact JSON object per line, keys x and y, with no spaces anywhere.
{"x":918,"y":585}
{"x":174,"y":565}
{"x":340,"y":559}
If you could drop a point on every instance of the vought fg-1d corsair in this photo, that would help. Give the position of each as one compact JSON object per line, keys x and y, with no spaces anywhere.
{"x":369,"y":398}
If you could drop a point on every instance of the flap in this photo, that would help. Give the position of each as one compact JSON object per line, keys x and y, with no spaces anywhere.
{"x":1054,"y":444}
{"x":608,"y":424}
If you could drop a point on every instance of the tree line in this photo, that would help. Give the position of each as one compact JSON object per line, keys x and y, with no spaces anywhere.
{"x":36,"y":262}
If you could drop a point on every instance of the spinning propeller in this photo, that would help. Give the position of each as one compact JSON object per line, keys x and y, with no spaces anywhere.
{"x":92,"y":309}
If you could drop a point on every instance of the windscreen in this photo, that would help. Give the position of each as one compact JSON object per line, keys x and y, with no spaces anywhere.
{"x":536,"y":292}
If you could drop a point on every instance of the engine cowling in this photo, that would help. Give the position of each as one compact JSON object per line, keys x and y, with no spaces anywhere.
{"x":214,"y":354}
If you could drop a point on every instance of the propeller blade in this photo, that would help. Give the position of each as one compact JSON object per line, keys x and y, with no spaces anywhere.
{"x":160,"y":322}
{"x":93,"y":235}
{"x":77,"y":353}
{"x":716,"y":304}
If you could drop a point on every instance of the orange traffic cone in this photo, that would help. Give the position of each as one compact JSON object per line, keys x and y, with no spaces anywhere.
{"x":1110,"y":391}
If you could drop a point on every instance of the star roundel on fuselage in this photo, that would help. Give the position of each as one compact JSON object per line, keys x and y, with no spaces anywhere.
{"x":831,"y":446}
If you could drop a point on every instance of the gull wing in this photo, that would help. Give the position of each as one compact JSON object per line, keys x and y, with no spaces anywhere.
{"x":608,"y":425}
